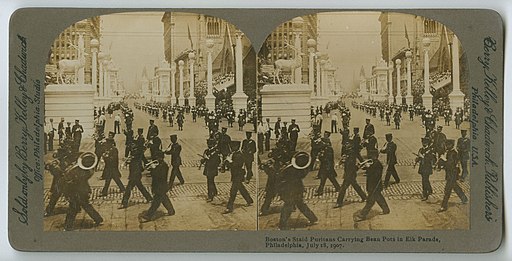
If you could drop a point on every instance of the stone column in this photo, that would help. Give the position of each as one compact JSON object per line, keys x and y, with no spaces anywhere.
{"x":181,"y":98}
{"x":318,"y":75}
{"x":106,"y":79}
{"x":311,"y":70}
{"x":427,"y":97}
{"x":456,"y":96}
{"x":297,"y":25}
{"x":409,"y":100}
{"x":210,"y":98}
{"x":164,"y":74}
{"x":94,"y":66}
{"x":239,"y":98}
{"x":173,"y":83}
{"x":101,"y":56}
{"x":81,"y":55}
{"x":398,"y":63}
{"x":191,"y":97}
{"x":322,"y":75}
{"x":390,"y":87}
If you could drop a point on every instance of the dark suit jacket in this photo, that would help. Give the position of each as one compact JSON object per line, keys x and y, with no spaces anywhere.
{"x":159,"y":178}
{"x":237,"y":170}
{"x":211,"y":168}
{"x":248,"y":149}
{"x":175,"y":153}
{"x":374,"y":177}
{"x":368,"y":130}
{"x":451,"y":164}
{"x":390,"y":153}
{"x":152,"y":131}
{"x":327,"y":163}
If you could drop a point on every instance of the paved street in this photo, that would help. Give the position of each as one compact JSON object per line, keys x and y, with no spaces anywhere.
{"x":407,"y":210}
{"x":193,"y":213}
{"x":192,"y":210}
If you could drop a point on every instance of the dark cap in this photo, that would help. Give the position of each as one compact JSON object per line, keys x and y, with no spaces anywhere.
{"x":389,"y":135}
{"x":356,"y":129}
{"x":224,"y":128}
{"x":140,"y":129}
{"x":248,"y":132}
{"x":173,"y":135}
{"x":151,"y":120}
{"x":463,"y":131}
{"x":327,"y":132}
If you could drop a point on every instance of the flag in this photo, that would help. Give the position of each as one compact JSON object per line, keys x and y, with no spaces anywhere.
{"x":407,"y":37}
{"x":190,"y":38}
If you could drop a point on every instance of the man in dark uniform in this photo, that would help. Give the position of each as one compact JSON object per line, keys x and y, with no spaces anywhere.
{"x":159,"y":188}
{"x":390,"y":150}
{"x":426,"y":159}
{"x":370,"y":144}
{"x":248,"y":150}
{"x":237,"y":178}
{"x":75,"y":187}
{"x":77,"y":131}
{"x":373,"y":187}
{"x":152,"y":129}
{"x":224,"y":142}
{"x":326,"y":156}
{"x":268,"y":131}
{"x":356,"y":144}
{"x":451,"y":170}
{"x":271,"y":168}
{"x":439,"y":141}
{"x":293,"y":131}
{"x":463,"y":147}
{"x":277,"y":127}
{"x":111,"y":170}
{"x":155,"y":145}
{"x":291,"y":191}
{"x":60,"y":130}
{"x":174,"y":150}
{"x":368,"y":129}
{"x":134,"y":177}
{"x":180,"y":119}
{"x":129,"y":140}
{"x":211,"y":161}
{"x":397,"y":117}
{"x":349,"y":176}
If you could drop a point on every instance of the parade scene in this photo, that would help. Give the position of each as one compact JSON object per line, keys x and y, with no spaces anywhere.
{"x":363,"y":124}
{"x":150,"y":125}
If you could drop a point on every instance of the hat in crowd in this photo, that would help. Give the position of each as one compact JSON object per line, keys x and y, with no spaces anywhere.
{"x":389,"y":135}
{"x":439,"y":127}
{"x":248,"y":132}
{"x":450,"y":142}
{"x":463,"y":131}
{"x":76,"y":120}
{"x":235,"y":145}
{"x":293,"y":119}
{"x":151,"y":120}
{"x":224,"y":128}
{"x":140,"y":129}
{"x":356,"y":129}
{"x":328,"y":133}
{"x":367,"y":119}
{"x":173,"y":135}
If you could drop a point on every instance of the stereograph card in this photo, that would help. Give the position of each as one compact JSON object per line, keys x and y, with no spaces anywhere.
{"x":256,"y":130}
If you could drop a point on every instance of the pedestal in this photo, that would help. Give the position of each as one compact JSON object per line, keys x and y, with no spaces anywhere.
{"x":72,"y":102}
{"x":191,"y":101}
{"x":427,"y":101}
{"x":456,"y":100}
{"x":391,"y":99}
{"x":102,"y":101}
{"x":181,"y":101}
{"x":210,"y":102}
{"x":409,"y":99}
{"x":239,"y":101}
{"x":288,"y":101}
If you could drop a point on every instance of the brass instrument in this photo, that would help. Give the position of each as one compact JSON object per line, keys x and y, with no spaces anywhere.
{"x":152,"y":164}
{"x":293,"y":162}
{"x":366,"y":163}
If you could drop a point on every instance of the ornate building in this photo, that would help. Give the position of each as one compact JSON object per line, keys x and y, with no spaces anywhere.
{"x":189,"y":32}
{"x":65,"y":45}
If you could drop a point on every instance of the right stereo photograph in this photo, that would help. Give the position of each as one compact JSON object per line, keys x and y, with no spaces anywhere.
{"x":363,"y":124}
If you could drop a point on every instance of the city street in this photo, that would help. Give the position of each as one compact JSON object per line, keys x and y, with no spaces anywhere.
{"x":189,"y":199}
{"x":404,"y":199}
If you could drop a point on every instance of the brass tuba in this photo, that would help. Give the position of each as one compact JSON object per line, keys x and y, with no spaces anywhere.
{"x":299,"y":165}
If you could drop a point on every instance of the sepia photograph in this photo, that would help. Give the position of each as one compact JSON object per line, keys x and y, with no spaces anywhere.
{"x":363,"y":124}
{"x":149,"y":123}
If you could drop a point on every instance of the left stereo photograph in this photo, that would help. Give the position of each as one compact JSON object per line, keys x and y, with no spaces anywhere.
{"x":149,"y":121}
